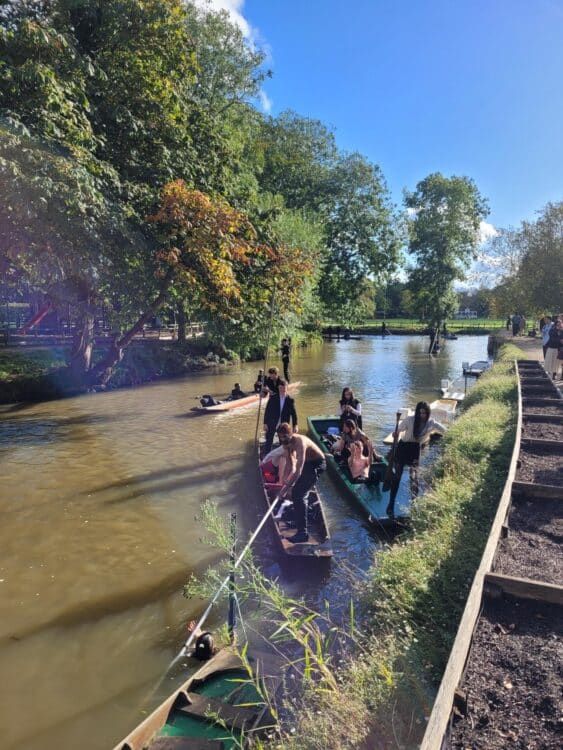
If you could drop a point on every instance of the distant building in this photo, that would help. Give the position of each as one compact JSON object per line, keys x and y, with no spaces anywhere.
{"x":465,"y":314}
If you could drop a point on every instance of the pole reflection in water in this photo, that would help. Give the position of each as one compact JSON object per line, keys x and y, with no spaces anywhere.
{"x":98,"y":501}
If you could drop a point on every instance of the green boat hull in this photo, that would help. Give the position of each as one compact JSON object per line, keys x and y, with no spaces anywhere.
{"x":368,"y":496}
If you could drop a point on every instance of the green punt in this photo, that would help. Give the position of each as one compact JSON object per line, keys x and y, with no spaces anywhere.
{"x":218,"y":708}
{"x":368,"y":496}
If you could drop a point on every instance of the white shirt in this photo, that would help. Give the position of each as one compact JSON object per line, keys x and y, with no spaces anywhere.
{"x":545,"y":332}
{"x":406,"y":428}
{"x":282,"y":402}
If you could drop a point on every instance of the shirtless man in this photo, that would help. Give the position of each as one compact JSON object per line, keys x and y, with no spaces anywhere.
{"x":309,"y":463}
{"x":358,"y":463}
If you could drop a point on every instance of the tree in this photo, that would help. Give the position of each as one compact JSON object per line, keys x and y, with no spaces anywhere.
{"x":532,"y":258}
{"x":443,"y":238}
{"x":362,"y":237}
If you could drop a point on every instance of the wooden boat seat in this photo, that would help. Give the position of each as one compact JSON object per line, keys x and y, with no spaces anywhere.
{"x":234,"y":717}
{"x":186,"y":743}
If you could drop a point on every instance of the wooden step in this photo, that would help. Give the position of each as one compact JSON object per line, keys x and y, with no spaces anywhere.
{"x":211,"y":709}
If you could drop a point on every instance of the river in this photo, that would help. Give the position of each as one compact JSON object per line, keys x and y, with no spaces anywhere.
{"x":98,"y":499}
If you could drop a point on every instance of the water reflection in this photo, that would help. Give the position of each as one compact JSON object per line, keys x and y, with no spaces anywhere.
{"x":99,"y":498}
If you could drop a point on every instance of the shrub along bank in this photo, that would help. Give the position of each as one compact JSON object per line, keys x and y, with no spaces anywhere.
{"x":417,"y":588}
{"x":40,"y":374}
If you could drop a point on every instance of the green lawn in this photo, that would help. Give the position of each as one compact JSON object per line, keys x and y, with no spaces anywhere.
{"x":477,"y":325}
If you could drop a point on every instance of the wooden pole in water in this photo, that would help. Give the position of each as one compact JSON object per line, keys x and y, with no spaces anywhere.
{"x":232,"y":614}
{"x":390,"y":471}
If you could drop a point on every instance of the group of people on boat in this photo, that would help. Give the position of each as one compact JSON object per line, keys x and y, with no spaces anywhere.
{"x":265,"y":385}
{"x":297,"y":462}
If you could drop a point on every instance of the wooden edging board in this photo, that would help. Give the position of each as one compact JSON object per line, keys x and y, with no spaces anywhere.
{"x":442,"y":709}
{"x":524,"y":588}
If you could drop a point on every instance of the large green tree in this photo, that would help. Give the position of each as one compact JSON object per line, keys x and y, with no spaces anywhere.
{"x":445,"y":216}
{"x":531,"y":258}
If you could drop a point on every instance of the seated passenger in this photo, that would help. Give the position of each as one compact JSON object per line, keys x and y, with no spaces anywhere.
{"x":350,"y":432}
{"x":237,"y":393}
{"x":276,"y":467}
{"x":207,"y":400}
{"x":259,"y":384}
{"x":358,"y":463}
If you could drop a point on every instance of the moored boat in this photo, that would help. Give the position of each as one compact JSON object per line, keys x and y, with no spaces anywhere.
{"x":239,"y":402}
{"x":319,"y":544}
{"x":218,"y":708}
{"x":367,"y":495}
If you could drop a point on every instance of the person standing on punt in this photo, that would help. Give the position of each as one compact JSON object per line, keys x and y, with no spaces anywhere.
{"x":280,"y":408}
{"x":413,"y":431}
{"x":286,"y":354}
{"x":272,"y":382}
{"x":309,"y":463}
{"x":350,"y":408}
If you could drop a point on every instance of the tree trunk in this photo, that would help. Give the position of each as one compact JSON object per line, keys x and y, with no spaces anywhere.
{"x":82,"y":345}
{"x":181,"y":324}
{"x":102,"y":372}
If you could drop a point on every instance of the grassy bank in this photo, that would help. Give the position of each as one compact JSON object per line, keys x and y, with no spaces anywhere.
{"x":412,"y":326}
{"x":35,"y":374}
{"x":416,"y":591}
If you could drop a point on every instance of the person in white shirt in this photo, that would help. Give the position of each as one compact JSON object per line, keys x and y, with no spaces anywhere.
{"x":412,"y":432}
{"x":545,"y":333}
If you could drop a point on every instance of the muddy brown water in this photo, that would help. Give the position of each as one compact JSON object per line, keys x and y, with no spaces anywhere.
{"x":98,"y":504}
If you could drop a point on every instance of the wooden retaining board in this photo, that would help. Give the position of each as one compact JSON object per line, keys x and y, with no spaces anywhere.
{"x":443,"y":705}
{"x":489,"y":583}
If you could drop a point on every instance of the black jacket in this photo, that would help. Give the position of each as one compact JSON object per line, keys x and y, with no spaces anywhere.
{"x":272,"y":412}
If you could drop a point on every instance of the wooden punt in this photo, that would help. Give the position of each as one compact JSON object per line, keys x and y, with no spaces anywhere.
{"x":218,"y":708}
{"x":443,"y":409}
{"x":239,"y":402}
{"x":367,"y":495}
{"x":319,"y":545}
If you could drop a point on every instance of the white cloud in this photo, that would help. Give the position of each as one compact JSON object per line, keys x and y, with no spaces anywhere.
{"x":234,"y":8}
{"x":486,"y":232}
{"x":265,"y":101}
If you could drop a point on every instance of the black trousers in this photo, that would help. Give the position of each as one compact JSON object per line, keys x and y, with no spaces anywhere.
{"x":286,"y":370}
{"x":299,"y":495}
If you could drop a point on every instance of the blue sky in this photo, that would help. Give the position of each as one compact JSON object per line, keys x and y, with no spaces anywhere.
{"x":457,"y":86}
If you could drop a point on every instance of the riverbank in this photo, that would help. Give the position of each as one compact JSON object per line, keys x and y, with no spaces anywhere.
{"x":414,"y":596}
{"x":39,"y":373}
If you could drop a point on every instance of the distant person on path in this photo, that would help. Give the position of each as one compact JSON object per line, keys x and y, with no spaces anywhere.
{"x":434,"y":346}
{"x":280,"y":408}
{"x":350,"y":408}
{"x":522,"y":325}
{"x":286,"y":354}
{"x":309,"y":463}
{"x":412,"y":432}
{"x":545,"y":329}
{"x":384,"y":330}
{"x":515,"y":324}
{"x":508,"y":323}
{"x":554,"y":347}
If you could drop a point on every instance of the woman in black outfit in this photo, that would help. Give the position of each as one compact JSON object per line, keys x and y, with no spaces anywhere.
{"x":350,"y":408}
